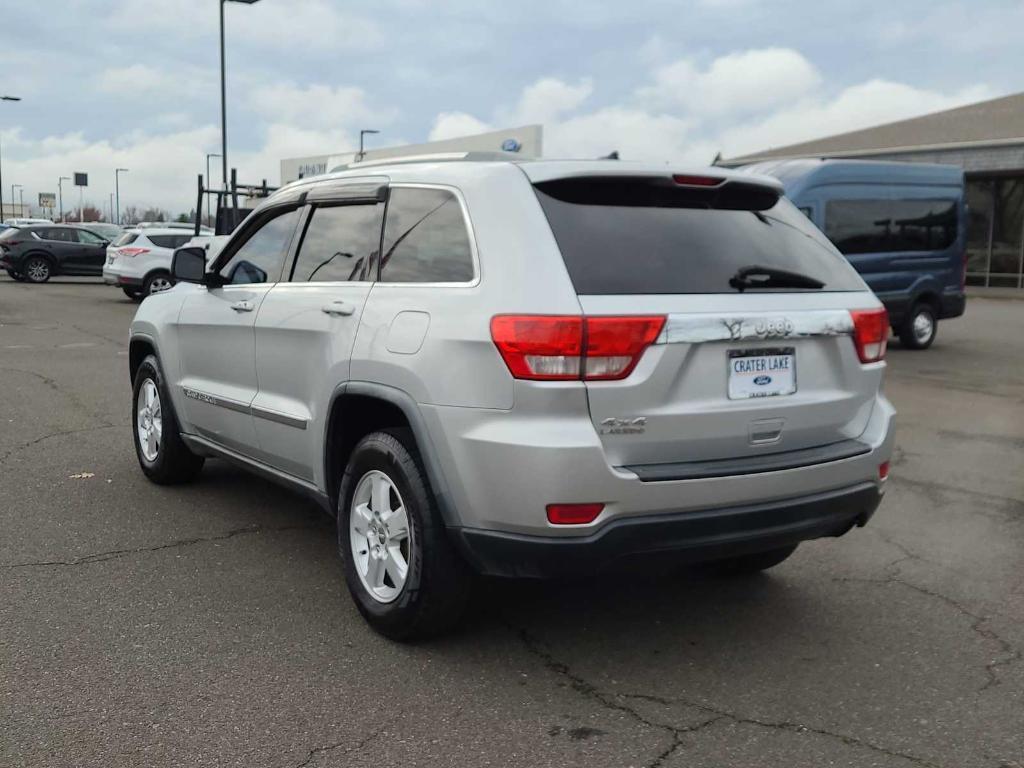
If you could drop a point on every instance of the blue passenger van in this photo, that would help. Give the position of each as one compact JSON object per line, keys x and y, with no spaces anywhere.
{"x":903,"y":227}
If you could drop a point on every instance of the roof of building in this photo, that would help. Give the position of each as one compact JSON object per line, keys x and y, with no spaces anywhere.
{"x":985,"y":123}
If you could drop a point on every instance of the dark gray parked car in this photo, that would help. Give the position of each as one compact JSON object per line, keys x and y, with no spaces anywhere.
{"x":37,"y":252}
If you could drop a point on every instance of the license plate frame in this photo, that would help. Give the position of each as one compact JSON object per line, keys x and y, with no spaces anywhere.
{"x":740,"y":385}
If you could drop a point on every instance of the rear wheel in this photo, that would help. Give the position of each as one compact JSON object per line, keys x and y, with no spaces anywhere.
{"x":744,"y":565}
{"x":919,"y":327}
{"x":37,"y":269}
{"x":402,"y":571}
{"x":157,"y":282}
{"x":132,"y":293}
{"x":162,"y":454}
{"x":15,"y":275}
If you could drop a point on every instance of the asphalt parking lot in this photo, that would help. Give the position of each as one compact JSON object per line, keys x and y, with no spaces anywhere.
{"x":208,"y":625}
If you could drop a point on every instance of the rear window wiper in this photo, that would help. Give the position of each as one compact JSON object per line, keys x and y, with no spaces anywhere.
{"x":757,"y":276}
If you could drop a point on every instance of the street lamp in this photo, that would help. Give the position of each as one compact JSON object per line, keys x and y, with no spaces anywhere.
{"x":5,"y":98}
{"x":362,"y":133}
{"x":14,"y":187}
{"x":223,"y":182}
{"x":60,"y":195}
{"x":223,"y":95}
{"x":117,"y":191}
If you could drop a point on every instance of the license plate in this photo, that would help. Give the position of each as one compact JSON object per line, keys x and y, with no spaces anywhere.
{"x":761,"y":372}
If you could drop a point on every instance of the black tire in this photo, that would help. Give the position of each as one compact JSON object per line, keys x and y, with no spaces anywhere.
{"x":438,"y":582}
{"x":132,"y":293}
{"x":919,"y":327}
{"x":745,"y":565}
{"x":37,"y":269}
{"x":173,"y":463}
{"x":153,"y":279}
{"x":16,"y":276}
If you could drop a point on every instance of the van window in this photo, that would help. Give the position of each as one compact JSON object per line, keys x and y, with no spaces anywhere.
{"x":623,"y":245}
{"x":339,"y":243}
{"x":425,"y":238}
{"x":883,"y":226}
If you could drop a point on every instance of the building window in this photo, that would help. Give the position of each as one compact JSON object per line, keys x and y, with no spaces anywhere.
{"x":979,"y":229}
{"x":1007,"y":229}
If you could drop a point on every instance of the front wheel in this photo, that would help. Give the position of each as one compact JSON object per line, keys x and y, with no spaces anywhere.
{"x":919,"y":327}
{"x":407,"y":580}
{"x":37,"y":269}
{"x":162,"y":454}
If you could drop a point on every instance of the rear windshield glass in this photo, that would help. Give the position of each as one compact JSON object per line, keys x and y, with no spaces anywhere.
{"x":126,"y":239}
{"x":612,"y":248}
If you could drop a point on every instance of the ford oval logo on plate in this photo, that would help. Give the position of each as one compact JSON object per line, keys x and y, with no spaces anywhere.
{"x":762,"y":380}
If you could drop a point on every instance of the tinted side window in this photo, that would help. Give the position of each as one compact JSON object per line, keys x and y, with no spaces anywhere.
{"x":169,"y":241}
{"x":90,"y":238}
{"x":425,"y":239}
{"x":126,"y":239}
{"x":339,"y":243}
{"x":880,"y":226}
{"x":262,"y":256}
{"x":57,"y":235}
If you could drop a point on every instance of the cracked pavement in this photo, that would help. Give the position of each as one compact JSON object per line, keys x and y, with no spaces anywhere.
{"x":208,"y":624}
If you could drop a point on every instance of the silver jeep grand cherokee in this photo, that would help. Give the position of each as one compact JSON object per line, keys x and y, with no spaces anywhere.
{"x":525,"y":369}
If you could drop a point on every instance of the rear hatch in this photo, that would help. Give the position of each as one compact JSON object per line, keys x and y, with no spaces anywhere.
{"x":755,"y":355}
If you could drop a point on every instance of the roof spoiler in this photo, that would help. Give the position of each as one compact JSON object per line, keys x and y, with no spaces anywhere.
{"x":668,"y":191}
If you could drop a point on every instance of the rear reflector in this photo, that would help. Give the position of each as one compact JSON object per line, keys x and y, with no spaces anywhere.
{"x":870,"y":333}
{"x":573,"y":514}
{"x":883,"y":470}
{"x":570,"y":347}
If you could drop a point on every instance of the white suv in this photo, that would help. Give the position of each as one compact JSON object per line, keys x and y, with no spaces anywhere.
{"x":139,"y":261}
{"x":525,"y":369}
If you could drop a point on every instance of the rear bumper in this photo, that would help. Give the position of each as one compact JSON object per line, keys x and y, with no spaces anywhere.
{"x":114,"y":277}
{"x":691,"y":536}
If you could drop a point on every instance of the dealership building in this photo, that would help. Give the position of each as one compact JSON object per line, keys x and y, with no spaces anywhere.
{"x":524,"y":142}
{"x":986,"y":140}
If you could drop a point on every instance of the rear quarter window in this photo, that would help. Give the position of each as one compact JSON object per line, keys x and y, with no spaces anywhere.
{"x":126,"y":239}
{"x":169,"y":241}
{"x":638,"y":242}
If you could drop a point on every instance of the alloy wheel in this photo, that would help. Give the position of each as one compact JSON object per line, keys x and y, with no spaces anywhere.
{"x":924,"y":327}
{"x":149,"y":420}
{"x":37,"y":270}
{"x":159,"y":285}
{"x":380,"y":538}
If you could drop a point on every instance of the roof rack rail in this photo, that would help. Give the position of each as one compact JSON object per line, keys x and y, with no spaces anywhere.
{"x":437,"y":157}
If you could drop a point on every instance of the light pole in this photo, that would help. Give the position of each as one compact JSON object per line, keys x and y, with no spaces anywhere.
{"x":60,"y":195}
{"x":5,"y":98}
{"x":222,"y":181}
{"x":362,"y":133}
{"x":223,"y":95}
{"x":117,"y":191}
{"x":14,"y":187}
{"x":110,"y":209}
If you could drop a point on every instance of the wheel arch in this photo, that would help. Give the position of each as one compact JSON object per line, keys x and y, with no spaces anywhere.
{"x":139,"y":347}
{"x":358,"y":408}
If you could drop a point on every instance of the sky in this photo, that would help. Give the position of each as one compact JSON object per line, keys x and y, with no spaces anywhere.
{"x":135,"y":84}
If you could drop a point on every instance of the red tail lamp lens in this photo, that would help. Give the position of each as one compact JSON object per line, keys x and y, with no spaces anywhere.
{"x":870,"y":333}
{"x":573,"y":514}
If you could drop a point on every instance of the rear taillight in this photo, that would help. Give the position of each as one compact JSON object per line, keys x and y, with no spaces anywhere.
{"x":132,"y":251}
{"x":569,"y":347}
{"x":870,"y":333}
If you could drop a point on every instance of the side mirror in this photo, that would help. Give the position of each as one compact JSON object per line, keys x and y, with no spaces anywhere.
{"x":189,"y":265}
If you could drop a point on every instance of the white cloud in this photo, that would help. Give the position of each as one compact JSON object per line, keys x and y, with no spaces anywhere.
{"x":451,"y":125}
{"x":859,"y":106}
{"x":135,"y":78}
{"x":634,"y":133}
{"x":320,"y":106}
{"x":743,"y":82}
{"x":547,"y":100}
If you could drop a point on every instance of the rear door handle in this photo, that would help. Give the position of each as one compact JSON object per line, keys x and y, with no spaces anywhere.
{"x":338,"y":309}
{"x":243,"y":306}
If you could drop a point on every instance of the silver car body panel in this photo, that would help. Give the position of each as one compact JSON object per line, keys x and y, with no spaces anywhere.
{"x":505,"y":448}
